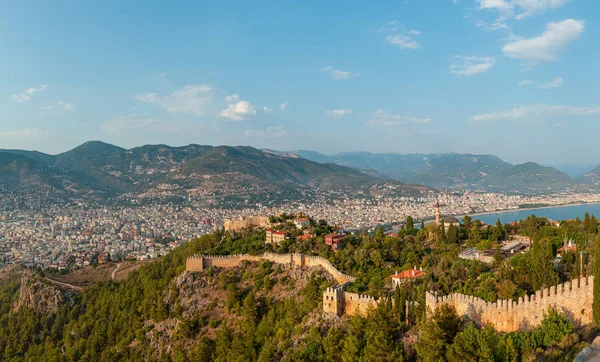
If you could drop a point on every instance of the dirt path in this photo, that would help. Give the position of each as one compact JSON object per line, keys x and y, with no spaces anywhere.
{"x":64,"y":284}
{"x":112,"y":276}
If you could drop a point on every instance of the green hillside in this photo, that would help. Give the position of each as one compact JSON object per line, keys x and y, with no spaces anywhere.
{"x":222,"y":170}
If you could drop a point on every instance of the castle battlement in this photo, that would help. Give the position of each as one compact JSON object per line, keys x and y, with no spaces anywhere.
{"x":574,"y":298}
{"x":200,"y":262}
{"x":335,"y":299}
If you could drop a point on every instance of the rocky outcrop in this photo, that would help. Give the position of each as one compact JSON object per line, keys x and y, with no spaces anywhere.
{"x":38,"y":295}
{"x":590,"y":353}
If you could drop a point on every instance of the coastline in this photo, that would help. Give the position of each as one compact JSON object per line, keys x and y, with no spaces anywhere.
{"x":528,"y":209}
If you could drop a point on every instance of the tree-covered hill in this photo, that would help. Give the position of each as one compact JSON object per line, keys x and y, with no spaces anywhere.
{"x":266,"y":312}
{"x":220,"y":170}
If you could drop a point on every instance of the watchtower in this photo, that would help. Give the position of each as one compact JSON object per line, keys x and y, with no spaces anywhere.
{"x":333,"y":300}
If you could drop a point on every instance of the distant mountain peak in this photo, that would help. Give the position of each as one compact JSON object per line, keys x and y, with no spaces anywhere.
{"x":450,"y":170}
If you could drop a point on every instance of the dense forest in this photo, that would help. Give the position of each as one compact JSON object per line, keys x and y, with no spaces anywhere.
{"x":264,"y":312}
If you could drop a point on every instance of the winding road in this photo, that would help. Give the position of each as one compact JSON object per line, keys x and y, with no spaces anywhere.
{"x":115,"y":271}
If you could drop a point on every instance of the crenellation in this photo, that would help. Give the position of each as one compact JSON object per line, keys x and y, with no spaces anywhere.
{"x":335,"y":299}
{"x":526,"y":312}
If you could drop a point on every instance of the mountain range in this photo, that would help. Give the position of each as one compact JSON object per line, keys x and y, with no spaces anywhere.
{"x":454,"y":170}
{"x":101,"y":170}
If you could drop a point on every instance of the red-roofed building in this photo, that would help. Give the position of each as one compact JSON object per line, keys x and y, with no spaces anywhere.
{"x":334,"y":240}
{"x":306,"y":236}
{"x":570,"y":246}
{"x":275,"y":237}
{"x":406,"y":276}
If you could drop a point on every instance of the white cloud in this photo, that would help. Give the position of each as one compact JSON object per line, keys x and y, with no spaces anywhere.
{"x":530,"y":7}
{"x":498,"y":24}
{"x":28,"y":132}
{"x":382,"y":118}
{"x":414,"y":32}
{"x":403,"y":41}
{"x":234,"y":98}
{"x":547,"y":46}
{"x":388,"y":27}
{"x":60,"y":105}
{"x":337,"y":112}
{"x":537,"y":112}
{"x":195,"y":100}
{"x":267,"y":109}
{"x":337,"y":74}
{"x":237,"y":110}
{"x":272,"y":131}
{"x":467,"y":66}
{"x":25,"y":96}
{"x":501,"y":5}
{"x":525,"y":82}
{"x":283,"y":105}
{"x":522,"y":8}
{"x":555,"y":83}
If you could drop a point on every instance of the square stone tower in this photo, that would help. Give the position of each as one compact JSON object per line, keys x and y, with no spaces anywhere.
{"x":333,"y":300}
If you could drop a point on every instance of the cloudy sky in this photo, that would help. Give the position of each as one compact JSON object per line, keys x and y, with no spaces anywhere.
{"x":515,"y":78}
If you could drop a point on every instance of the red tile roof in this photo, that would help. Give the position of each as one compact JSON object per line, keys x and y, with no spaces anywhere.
{"x":409,"y":274}
{"x":570,"y":247}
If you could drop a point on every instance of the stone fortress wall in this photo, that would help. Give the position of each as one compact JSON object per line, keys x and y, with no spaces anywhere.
{"x":200,"y":262}
{"x":242,"y":222}
{"x":335,"y":299}
{"x":573,"y":299}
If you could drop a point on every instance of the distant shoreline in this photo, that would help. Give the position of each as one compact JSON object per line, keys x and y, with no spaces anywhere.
{"x":529,"y":209}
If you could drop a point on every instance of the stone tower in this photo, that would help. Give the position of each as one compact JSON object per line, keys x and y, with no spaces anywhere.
{"x":437,"y":213}
{"x":333,"y":300}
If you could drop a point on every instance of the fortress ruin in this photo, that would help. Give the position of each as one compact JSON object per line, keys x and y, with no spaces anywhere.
{"x":336,"y":300}
{"x":242,"y":222}
{"x":574,"y":299}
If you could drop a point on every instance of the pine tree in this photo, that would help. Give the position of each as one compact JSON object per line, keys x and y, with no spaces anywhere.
{"x":409,"y":224}
{"x":442,"y":231}
{"x":499,"y":231}
{"x":399,"y":302}
{"x":542,"y":271}
{"x":596,"y":303}
{"x":452,"y":234}
{"x":593,"y":225}
{"x":586,"y":222}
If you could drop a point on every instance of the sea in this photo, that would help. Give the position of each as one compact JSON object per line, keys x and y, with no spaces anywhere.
{"x":553,"y":213}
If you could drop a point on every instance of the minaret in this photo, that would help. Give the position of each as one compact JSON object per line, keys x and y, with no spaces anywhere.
{"x":437,"y":213}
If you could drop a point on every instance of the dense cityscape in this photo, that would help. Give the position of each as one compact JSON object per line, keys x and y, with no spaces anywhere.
{"x":39,"y":233}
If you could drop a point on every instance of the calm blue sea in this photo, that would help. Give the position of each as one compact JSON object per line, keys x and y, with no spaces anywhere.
{"x":554,"y":213}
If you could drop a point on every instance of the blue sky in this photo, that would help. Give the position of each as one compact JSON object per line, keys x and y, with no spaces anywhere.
{"x":515,"y":78}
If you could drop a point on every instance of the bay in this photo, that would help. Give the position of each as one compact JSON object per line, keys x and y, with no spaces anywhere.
{"x":554,"y":213}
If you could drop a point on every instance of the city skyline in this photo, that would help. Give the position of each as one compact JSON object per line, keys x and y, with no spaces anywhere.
{"x":485,"y":77}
